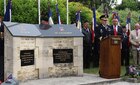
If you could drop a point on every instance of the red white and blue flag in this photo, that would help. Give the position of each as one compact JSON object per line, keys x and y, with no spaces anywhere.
{"x":50,"y":15}
{"x":128,"y":25}
{"x":93,"y":23}
{"x":78,"y":20}
{"x":128,"y":21}
{"x":58,"y":14}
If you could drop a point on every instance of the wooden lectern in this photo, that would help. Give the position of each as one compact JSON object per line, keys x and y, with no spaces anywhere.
{"x":110,"y":57}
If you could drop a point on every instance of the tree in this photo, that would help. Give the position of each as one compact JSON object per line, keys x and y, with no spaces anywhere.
{"x":123,"y":15}
{"x":92,"y":3}
{"x":25,"y":11}
{"x":1,"y":8}
{"x":131,"y":4}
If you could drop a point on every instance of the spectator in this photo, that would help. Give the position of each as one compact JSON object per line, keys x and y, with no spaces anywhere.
{"x":1,"y":51}
{"x":135,"y":41}
{"x":87,"y":44}
{"x":125,"y":48}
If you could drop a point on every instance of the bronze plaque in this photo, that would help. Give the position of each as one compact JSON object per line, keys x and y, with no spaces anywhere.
{"x":27,"y":57}
{"x":62,"y":55}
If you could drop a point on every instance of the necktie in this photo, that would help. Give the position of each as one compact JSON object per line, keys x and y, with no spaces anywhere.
{"x":136,"y":32}
{"x":115,"y":31}
{"x":87,"y":30}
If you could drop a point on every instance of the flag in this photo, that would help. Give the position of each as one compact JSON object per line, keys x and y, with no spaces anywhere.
{"x":39,"y":11}
{"x":50,"y":14}
{"x":50,"y":17}
{"x":115,"y":15}
{"x":93,"y":23}
{"x":10,"y":76}
{"x":78,"y":20}
{"x":58,"y":14}
{"x":7,"y":16}
{"x":128,"y":21}
{"x":128,"y":25}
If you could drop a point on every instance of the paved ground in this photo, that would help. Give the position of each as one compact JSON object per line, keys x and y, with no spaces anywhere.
{"x":124,"y":83}
{"x":86,"y":79}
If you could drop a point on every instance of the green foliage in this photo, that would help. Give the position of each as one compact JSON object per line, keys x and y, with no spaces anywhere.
{"x":24,"y":11}
{"x":86,"y":13}
{"x":127,"y":6}
{"x":1,"y":8}
{"x":131,"y":4}
{"x":92,"y":3}
{"x":123,"y":16}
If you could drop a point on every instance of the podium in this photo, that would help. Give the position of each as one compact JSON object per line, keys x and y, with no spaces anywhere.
{"x":110,"y":57}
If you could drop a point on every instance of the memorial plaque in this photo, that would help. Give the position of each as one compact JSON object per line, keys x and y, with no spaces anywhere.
{"x":27,"y":57}
{"x":63,"y":55}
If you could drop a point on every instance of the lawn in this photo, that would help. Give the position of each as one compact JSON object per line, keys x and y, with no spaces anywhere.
{"x":96,"y":70}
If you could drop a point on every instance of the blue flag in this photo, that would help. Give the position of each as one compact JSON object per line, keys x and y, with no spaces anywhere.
{"x":58,"y":14}
{"x":7,"y":16}
{"x":128,"y":20}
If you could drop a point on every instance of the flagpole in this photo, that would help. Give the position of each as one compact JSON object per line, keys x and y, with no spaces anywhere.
{"x":39,"y":11}
{"x":4,"y":6}
{"x":67,"y":12}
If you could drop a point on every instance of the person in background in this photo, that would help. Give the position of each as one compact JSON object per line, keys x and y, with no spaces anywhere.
{"x":0,"y":23}
{"x":125,"y":47}
{"x":87,"y":45}
{"x":1,"y":51}
{"x":135,"y":42}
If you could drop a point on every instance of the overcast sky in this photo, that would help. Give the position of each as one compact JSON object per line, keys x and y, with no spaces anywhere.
{"x":119,"y":1}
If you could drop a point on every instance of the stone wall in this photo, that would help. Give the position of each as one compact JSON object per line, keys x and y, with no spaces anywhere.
{"x":43,"y":66}
{"x":8,"y":54}
{"x":49,"y":69}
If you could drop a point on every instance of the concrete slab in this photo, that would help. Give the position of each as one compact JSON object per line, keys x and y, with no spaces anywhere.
{"x":90,"y":79}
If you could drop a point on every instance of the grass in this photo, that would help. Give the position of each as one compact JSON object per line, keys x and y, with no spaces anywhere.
{"x":96,"y":70}
{"x":92,"y":70}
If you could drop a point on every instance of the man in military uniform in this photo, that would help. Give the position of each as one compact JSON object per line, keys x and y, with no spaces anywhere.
{"x":101,"y":32}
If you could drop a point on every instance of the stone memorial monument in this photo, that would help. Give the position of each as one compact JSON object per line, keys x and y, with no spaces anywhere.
{"x":35,"y":51}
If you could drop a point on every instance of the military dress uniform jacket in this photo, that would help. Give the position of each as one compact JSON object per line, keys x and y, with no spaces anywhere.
{"x":103,"y":31}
